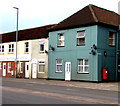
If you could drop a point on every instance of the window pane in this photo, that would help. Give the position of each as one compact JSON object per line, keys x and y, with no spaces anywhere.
{"x":111,"y":38}
{"x":12,"y":45}
{"x":86,"y":62}
{"x":80,"y":62}
{"x":80,"y":41}
{"x":61,"y":36}
{"x":26,"y":50}
{"x":86,"y":69}
{"x":12,"y":50}
{"x":9,"y":46}
{"x":59,"y":67}
{"x":61,"y":43}
{"x":41,"y":68}
{"x":81,"y":34}
{"x":80,"y":69}
{"x":9,"y":50}
{"x":61,"y":40}
{"x":2,"y":48}
{"x":41,"y":47}
{"x":26,"y":46}
{"x":59,"y":61}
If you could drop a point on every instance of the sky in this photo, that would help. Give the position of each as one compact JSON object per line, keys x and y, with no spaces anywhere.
{"x":36,"y":13}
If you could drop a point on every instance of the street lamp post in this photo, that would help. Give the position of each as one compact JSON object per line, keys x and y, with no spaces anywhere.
{"x":16,"y":39}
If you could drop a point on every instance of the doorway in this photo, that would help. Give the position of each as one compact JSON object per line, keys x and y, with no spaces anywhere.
{"x":34,"y":70}
{"x":4,"y":69}
{"x":27,"y":70}
{"x":67,"y":71}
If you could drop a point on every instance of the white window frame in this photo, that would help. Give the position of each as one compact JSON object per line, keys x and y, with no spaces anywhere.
{"x":111,"y":38}
{"x":26,"y":47}
{"x":83,"y":66}
{"x":59,"y":64}
{"x":41,"y":63}
{"x":9,"y":67}
{"x":80,"y":35}
{"x":1,"y":48}
{"x":61,"y":40}
{"x":21,"y":67}
{"x":11,"y":48}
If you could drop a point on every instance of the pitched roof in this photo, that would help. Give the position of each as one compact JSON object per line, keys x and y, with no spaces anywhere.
{"x":27,"y":34}
{"x":89,"y":15}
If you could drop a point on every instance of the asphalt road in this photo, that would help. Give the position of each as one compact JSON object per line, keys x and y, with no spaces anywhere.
{"x":18,"y":92}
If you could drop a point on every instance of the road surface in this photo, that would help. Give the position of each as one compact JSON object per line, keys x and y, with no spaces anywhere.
{"x":19,"y":92}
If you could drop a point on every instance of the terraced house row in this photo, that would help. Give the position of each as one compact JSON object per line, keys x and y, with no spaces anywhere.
{"x":85,"y":46}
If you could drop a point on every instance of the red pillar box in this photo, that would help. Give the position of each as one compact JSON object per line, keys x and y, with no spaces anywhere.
{"x":104,"y":73}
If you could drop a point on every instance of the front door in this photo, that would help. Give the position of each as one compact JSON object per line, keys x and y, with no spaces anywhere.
{"x":4,"y":69}
{"x":68,"y":71}
{"x":34,"y":70}
{"x":27,"y":70}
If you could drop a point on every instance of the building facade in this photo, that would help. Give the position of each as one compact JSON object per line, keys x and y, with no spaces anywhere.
{"x":32,"y":53}
{"x":82,"y":46}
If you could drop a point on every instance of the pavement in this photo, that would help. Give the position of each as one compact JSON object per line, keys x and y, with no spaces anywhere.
{"x":112,"y":86}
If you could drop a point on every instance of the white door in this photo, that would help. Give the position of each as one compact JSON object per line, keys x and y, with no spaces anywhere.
{"x":27,"y":70}
{"x":4,"y":69}
{"x":68,"y":71}
{"x":34,"y":70}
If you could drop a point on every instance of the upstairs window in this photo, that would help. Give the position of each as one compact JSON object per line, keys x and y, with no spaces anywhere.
{"x":1,"y":48}
{"x":83,"y":66}
{"x":80,"y":38}
{"x":11,"y":48}
{"x":26,"y":47}
{"x":59,"y":65}
{"x":42,"y":45}
{"x":111,"y":39}
{"x":61,"y":40}
{"x":42,"y":48}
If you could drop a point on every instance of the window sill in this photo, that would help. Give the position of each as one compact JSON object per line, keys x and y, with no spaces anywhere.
{"x":26,"y":53}
{"x":1,"y":53}
{"x":81,"y":45}
{"x":41,"y":51}
{"x":41,"y":72}
{"x":58,"y":72}
{"x":112,"y":45}
{"x":11,"y":53}
{"x":82,"y":72}
{"x":60,"y":46}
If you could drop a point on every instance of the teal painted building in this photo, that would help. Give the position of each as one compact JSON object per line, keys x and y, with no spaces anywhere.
{"x":81,"y":45}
